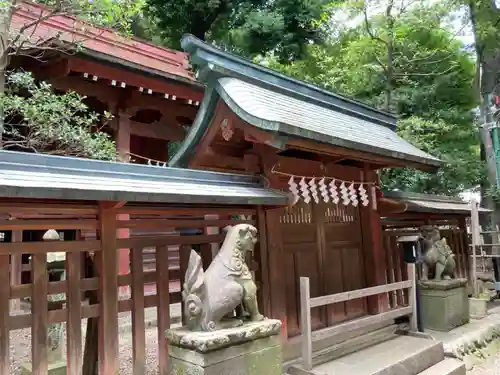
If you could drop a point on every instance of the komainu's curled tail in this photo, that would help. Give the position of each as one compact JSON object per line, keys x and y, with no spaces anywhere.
{"x":192,"y":291}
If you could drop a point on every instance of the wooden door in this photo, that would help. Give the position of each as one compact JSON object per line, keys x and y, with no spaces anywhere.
{"x":322,"y":242}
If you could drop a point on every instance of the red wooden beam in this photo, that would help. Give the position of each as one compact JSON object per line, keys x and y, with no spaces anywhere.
{"x":81,"y":65}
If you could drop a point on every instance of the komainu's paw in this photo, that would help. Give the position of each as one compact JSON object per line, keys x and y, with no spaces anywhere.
{"x":257,"y":318}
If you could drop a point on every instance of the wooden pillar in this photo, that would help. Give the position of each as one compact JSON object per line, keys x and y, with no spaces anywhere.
{"x":264,"y":292}
{"x":163,"y":309}
{"x":108,"y":317}
{"x":375,"y":265}
{"x":16,"y":264}
{"x":4,"y":314}
{"x":123,"y":136}
{"x":123,"y":132}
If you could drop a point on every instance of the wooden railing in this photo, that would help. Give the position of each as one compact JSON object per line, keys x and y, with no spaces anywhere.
{"x":307,"y":303}
{"x":103,"y":284}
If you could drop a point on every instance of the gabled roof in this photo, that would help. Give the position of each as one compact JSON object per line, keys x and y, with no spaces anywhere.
{"x":25,"y":175}
{"x":274,"y":102}
{"x":100,"y":42}
{"x":417,"y":202}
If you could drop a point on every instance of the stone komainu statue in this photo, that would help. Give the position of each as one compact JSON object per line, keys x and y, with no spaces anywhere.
{"x":227,"y":283}
{"x":437,"y":257}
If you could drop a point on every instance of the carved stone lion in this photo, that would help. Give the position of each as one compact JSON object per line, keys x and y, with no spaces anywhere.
{"x":227,"y":283}
{"x":437,"y":256}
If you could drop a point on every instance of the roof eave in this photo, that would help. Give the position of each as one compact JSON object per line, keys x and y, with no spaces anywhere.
{"x":427,"y":164}
{"x":218,"y":62}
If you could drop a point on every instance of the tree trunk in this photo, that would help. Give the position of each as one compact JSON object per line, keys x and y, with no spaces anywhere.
{"x":390,"y":58}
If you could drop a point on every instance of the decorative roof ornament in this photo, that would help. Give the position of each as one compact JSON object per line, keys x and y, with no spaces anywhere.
{"x":226,"y":130}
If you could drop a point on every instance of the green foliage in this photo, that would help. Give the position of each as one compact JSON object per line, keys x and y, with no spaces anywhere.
{"x":430,"y":90}
{"x":38,"y":120}
{"x":248,"y":27}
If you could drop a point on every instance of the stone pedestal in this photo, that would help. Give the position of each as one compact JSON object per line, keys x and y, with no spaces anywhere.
{"x":444,"y":304}
{"x":55,"y":368}
{"x":252,"y":349}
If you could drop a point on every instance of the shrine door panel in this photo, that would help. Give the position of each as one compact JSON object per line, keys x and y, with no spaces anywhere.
{"x":301,"y":258}
{"x":343,"y":263}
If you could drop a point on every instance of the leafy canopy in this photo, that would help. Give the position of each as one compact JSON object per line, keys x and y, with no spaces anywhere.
{"x":431,"y":90}
{"x":248,"y":27}
{"x":38,"y":120}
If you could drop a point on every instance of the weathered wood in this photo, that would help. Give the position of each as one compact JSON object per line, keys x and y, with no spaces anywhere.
{"x":39,"y":315}
{"x":74,"y":326}
{"x":264,"y":291}
{"x":40,"y":224}
{"x":184,"y":254}
{"x":138,"y":322}
{"x":185,"y":210}
{"x":91,"y":351}
{"x":170,"y":240}
{"x":412,"y":296}
{"x":360,"y":293}
{"x":108,"y":319}
{"x":164,"y":223}
{"x":16,"y":265}
{"x":31,"y":206}
{"x":163,"y":309}
{"x":475,"y":241}
{"x":4,"y":315}
{"x":46,"y":247}
{"x":56,"y":287}
{"x":90,"y":311}
{"x":361,"y":322}
{"x":305,"y":323}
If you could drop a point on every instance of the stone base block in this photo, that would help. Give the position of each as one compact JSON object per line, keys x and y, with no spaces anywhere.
{"x":55,"y":368}
{"x":252,"y":349}
{"x":444,"y":304}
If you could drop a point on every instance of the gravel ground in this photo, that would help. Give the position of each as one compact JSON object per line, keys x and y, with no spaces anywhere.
{"x":20,"y":346}
{"x":490,"y":366}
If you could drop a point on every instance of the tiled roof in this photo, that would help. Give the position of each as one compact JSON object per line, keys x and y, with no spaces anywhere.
{"x":280,"y":113}
{"x":140,"y":54}
{"x":26,"y":175}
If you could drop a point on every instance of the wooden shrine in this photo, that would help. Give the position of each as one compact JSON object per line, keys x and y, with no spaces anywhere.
{"x":73,"y":195}
{"x":324,"y":150}
{"x":151,"y":91}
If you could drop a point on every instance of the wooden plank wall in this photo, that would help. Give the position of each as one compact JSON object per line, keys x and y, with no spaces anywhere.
{"x":103,"y":219}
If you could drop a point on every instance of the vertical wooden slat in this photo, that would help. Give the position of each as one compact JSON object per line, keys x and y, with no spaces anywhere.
{"x":305,"y":322}
{"x":398,"y":266}
{"x":389,"y":249}
{"x":108,"y":314}
{"x":4,"y":314}
{"x":16,"y":261}
{"x":184,"y":252}
{"x":74,"y":339}
{"x":412,"y":297}
{"x":138,"y":325}
{"x":162,"y":288}
{"x":39,"y":314}
{"x":475,"y":241}
{"x":264,"y":263}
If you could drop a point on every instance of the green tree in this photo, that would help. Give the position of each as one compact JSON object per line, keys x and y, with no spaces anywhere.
{"x":248,"y":27}
{"x":428,"y":85}
{"x":38,"y":120}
